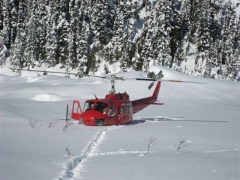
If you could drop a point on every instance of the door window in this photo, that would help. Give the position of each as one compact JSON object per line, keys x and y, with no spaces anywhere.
{"x":111,"y":111}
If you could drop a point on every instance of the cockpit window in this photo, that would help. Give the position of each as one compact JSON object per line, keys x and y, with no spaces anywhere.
{"x":111,"y":111}
{"x":101,"y":107}
{"x":98,"y":106}
{"x":89,"y":105}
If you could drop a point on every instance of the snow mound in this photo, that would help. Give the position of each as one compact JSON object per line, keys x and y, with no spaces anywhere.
{"x":47,"y":97}
{"x":168,"y":73}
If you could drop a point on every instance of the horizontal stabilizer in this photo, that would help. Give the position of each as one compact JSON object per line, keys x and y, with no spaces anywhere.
{"x":155,"y":103}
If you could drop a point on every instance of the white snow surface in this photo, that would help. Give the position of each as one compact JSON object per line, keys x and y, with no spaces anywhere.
{"x":35,"y":146}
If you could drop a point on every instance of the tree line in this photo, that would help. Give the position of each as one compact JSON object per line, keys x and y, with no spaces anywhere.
{"x":195,"y":37}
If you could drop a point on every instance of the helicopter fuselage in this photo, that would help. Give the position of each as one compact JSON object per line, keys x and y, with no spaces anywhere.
{"x":114,"y":109}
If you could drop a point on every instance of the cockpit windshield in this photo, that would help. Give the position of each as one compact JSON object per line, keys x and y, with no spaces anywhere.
{"x":101,"y":107}
{"x":97,"y":106}
{"x":88,"y":105}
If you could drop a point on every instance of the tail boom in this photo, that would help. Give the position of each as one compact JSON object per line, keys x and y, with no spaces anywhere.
{"x":140,"y":104}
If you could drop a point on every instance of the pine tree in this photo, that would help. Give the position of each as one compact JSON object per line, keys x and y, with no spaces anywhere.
{"x":175,"y":33}
{"x":185,"y":26}
{"x":6,"y":32}
{"x":43,"y":30}
{"x":78,"y":36}
{"x":119,"y":30}
{"x":102,"y":22}
{"x":145,"y":48}
{"x":84,"y":52}
{"x":74,"y":11}
{"x":51,"y":36}
{"x":215,"y":26}
{"x":19,"y":46}
{"x":1,"y":15}
{"x":32,"y":51}
{"x":162,"y":34}
{"x":63,"y":29}
{"x":227,"y":39}
{"x":203,"y":42}
{"x":215,"y":33}
{"x":124,"y":31}
{"x":120,"y":47}
{"x":232,"y":46}
{"x":14,"y":19}
{"x":153,"y":46}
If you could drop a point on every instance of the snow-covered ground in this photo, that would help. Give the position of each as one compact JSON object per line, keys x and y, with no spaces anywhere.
{"x":35,"y":146}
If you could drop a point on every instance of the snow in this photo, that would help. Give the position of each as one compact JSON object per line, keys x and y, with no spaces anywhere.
{"x":35,"y":144}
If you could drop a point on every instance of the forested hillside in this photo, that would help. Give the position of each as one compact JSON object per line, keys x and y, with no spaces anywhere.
{"x":198,"y":37}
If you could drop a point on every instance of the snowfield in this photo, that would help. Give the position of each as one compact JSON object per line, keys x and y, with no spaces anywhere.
{"x":36,"y":144}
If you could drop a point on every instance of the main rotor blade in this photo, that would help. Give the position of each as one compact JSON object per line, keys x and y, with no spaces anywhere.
{"x":164,"y":80}
{"x":147,"y":79}
{"x":104,"y":77}
{"x":111,"y":77}
{"x":179,"y":81}
{"x":35,"y":70}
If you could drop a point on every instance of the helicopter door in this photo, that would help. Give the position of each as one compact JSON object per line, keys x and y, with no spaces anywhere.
{"x":120,"y":115}
{"x":76,"y":110}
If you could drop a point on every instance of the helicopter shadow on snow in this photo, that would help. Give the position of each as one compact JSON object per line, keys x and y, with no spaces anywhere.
{"x":141,"y":120}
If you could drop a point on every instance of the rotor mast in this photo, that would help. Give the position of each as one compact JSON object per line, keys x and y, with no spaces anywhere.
{"x":113,"y":78}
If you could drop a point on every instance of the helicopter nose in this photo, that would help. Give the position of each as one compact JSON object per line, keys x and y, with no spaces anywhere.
{"x":93,"y":119}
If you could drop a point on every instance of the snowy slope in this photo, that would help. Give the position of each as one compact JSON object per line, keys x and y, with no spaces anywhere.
{"x":206,"y":116}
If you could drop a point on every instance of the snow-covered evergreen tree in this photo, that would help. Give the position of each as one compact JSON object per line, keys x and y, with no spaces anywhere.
{"x":154,"y":42}
{"x":1,"y":15}
{"x":72,"y":38}
{"x":175,"y":33}
{"x":32,"y":50}
{"x":229,"y":29}
{"x":162,"y":32}
{"x":6,"y":32}
{"x":17,"y":60}
{"x":232,"y":46}
{"x":63,"y":29}
{"x":43,"y":4}
{"x":102,"y":22}
{"x":236,"y":53}
{"x":185,"y":26}
{"x":204,"y":41}
{"x":51,"y":35}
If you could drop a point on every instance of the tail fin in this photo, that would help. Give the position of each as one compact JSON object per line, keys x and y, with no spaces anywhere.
{"x":140,"y":104}
{"x":156,"y":91}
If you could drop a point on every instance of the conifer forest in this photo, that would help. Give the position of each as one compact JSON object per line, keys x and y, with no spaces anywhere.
{"x":196,"y":37}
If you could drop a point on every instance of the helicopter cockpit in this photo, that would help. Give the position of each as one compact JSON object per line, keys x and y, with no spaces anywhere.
{"x":99,"y":106}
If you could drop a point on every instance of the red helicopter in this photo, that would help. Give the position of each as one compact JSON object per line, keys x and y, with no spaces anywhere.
{"x":115,"y":108}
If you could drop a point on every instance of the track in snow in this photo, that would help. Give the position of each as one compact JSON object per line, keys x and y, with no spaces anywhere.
{"x":75,"y":165}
